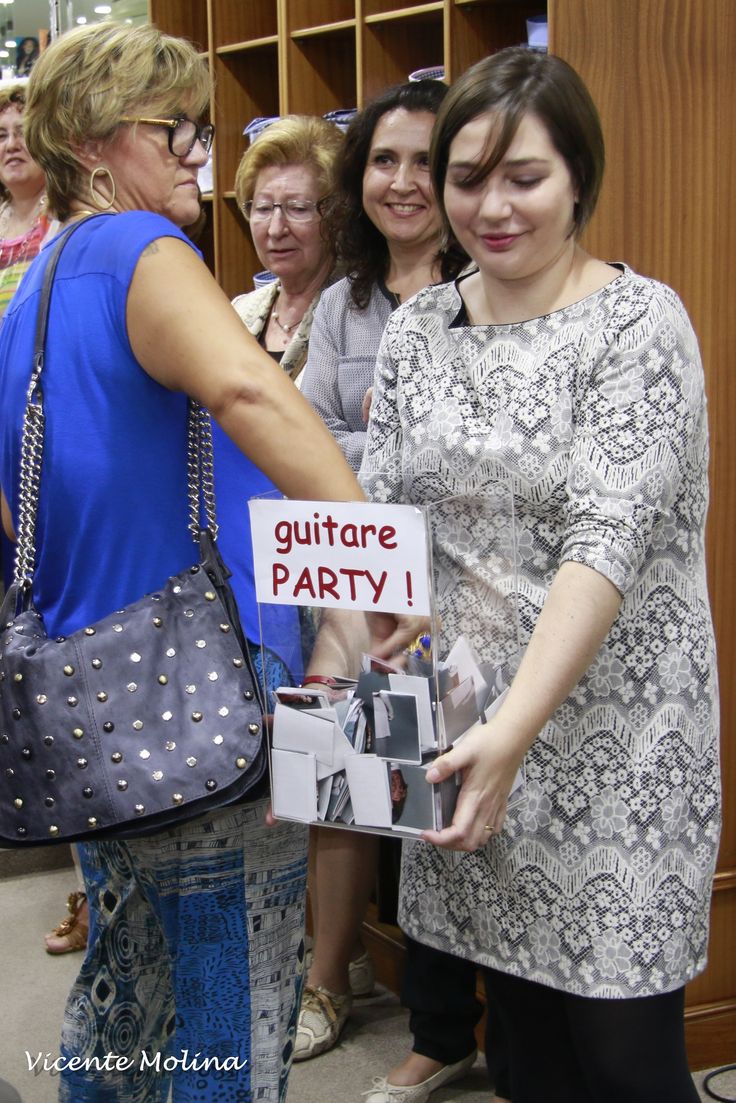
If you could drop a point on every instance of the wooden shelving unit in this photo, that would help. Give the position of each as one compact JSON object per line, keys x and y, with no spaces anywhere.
{"x":660,"y":73}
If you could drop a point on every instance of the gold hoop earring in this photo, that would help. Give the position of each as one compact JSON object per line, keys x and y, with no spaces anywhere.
{"x":101,"y":203}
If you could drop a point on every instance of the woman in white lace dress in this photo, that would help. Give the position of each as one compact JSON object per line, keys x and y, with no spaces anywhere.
{"x":581,"y":382}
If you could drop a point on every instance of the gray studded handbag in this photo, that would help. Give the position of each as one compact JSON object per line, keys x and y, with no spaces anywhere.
{"x":143,"y":719}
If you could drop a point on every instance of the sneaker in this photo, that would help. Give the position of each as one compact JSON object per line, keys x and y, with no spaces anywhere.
{"x":322,"y":1016}
{"x":362,"y":975}
{"x":383,"y":1092}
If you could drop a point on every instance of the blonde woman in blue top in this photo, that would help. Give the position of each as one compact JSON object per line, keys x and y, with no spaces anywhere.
{"x":189,"y":949}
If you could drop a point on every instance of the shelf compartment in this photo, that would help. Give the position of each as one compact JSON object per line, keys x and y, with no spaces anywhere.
{"x":244,"y":21}
{"x":330,"y":28}
{"x":246,"y":86}
{"x":204,"y":237}
{"x":250,"y":44}
{"x":237,"y":260}
{"x":538,"y":8}
{"x":481,"y":27}
{"x":380,"y":10}
{"x":395,"y":47}
{"x":306,"y":14}
{"x":321,"y":72}
{"x":184,"y":20}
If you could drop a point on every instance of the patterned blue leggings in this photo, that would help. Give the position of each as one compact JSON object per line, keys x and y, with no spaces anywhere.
{"x":193,"y":970}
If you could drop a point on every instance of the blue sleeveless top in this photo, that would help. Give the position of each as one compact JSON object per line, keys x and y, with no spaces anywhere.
{"x":236,"y":480}
{"x":113,"y":511}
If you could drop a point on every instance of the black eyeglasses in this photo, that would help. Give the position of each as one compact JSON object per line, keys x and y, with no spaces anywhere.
{"x":183,"y":133}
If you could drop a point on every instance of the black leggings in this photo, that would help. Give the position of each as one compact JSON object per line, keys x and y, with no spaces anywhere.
{"x":577,"y":1049}
{"x":439,"y":990}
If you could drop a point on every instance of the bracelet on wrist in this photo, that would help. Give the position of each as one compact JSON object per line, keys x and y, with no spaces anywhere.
{"x":318,"y":679}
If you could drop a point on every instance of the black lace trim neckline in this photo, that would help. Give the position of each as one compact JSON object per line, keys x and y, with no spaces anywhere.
{"x":461,"y":320}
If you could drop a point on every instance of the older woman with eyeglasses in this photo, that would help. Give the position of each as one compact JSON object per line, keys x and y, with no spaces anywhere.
{"x":193,"y":954}
{"x":280,"y":180}
{"x":278,"y":185}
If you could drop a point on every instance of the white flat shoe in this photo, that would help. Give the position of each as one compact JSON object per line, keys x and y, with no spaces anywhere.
{"x":383,"y":1092}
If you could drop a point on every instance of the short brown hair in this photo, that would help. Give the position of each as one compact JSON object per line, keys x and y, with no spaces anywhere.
{"x":83,"y":84}
{"x":292,"y":140}
{"x":516,"y":82}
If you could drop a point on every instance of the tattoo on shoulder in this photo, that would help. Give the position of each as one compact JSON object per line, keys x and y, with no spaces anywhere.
{"x":150,"y":250}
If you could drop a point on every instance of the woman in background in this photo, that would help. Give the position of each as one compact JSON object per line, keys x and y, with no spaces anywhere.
{"x":281,"y":180}
{"x":25,"y":222}
{"x":580,"y":383}
{"x":27,"y":56}
{"x":388,"y":230}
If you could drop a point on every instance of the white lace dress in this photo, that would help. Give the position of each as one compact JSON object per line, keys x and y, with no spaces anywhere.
{"x":600,"y":882}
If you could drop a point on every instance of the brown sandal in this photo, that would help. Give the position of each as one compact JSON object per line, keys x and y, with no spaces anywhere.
{"x":71,"y":934}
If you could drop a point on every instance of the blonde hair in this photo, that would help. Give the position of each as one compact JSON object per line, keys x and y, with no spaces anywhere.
{"x":83,"y":84}
{"x":293,"y":140}
{"x":12,"y":95}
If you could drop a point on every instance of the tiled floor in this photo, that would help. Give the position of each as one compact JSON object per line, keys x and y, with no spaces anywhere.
{"x":34,"y":986}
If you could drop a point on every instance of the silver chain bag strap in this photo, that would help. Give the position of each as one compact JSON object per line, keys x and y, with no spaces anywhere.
{"x":138,"y":721}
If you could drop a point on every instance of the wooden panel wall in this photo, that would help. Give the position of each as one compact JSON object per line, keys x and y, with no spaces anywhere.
{"x":662,"y":74}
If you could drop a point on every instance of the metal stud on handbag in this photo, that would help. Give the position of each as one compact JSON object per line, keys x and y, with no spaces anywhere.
{"x":140,"y":720}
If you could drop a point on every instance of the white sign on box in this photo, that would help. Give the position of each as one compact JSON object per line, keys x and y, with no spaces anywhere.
{"x":340,"y":555}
